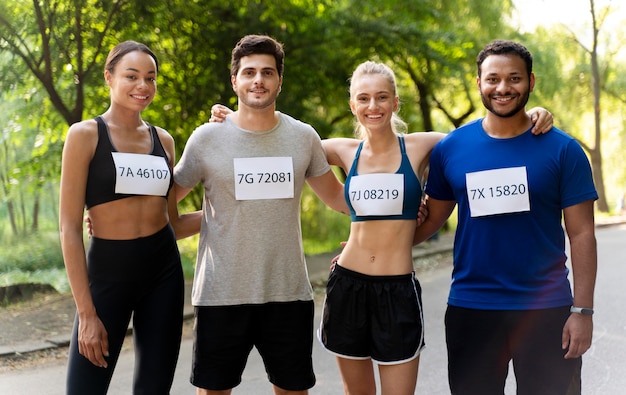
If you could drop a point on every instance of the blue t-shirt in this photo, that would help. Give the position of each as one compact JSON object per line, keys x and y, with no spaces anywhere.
{"x":509,"y":250}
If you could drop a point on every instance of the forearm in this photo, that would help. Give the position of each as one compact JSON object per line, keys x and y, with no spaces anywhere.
{"x":584,"y":268}
{"x":186,"y":225}
{"x":425,"y":231}
{"x":438,"y":213}
{"x":328,"y":188}
{"x":76,"y":268}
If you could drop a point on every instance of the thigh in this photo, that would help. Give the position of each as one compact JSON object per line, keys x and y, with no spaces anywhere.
{"x":346,"y":296}
{"x":538,"y":359}
{"x":357,"y":375}
{"x":157,"y":323}
{"x":397,"y":321}
{"x":478,"y":354}
{"x":285,"y":342}
{"x":111,"y":302}
{"x":399,"y":379}
{"x":222,"y":342}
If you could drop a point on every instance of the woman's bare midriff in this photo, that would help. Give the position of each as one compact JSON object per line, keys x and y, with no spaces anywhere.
{"x":379,"y":248}
{"x":129,"y":218}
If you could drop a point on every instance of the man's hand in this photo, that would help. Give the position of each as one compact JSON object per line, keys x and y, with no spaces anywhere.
{"x":89,"y":225}
{"x":577,"y":334}
{"x":542,"y":119}
{"x":422,"y":213}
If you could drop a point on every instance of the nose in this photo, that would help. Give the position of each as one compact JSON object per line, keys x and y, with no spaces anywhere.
{"x":503,"y":85}
{"x":258,"y":79}
{"x":372,"y":103}
{"x":141,"y":83}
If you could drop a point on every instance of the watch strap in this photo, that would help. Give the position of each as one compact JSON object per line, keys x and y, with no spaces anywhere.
{"x":581,"y":310}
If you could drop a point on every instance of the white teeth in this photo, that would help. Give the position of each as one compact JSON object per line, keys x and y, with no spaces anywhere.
{"x":140,"y":97}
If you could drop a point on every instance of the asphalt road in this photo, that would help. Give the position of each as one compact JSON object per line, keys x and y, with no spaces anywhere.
{"x":604,"y":370}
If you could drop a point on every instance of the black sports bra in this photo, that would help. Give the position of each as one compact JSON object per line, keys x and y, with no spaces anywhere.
{"x":104,"y":174}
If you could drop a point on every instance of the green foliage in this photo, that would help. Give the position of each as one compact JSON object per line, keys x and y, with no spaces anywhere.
{"x":55,"y":277}
{"x":52,"y":55}
{"x":322,"y":228}
{"x":29,"y":254}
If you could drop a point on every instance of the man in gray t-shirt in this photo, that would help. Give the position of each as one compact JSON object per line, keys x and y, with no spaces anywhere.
{"x":251,"y":286}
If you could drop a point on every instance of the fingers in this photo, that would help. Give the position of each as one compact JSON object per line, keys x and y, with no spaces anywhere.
{"x":577,"y":335}
{"x":422,"y":213}
{"x":93,"y":343}
{"x":543,"y":121}
{"x":94,"y":353}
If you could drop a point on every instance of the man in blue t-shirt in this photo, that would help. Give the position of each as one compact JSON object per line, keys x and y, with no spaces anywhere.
{"x":510,"y":297}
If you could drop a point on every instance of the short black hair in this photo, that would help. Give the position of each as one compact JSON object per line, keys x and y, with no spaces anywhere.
{"x":505,"y":47}
{"x":255,"y":44}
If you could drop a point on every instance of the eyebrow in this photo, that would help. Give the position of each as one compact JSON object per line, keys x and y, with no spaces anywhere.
{"x":137,"y":71}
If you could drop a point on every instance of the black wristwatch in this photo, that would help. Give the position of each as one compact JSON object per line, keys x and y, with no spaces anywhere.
{"x":581,"y":310}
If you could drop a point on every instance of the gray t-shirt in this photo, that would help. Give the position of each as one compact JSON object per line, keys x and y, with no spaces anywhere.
{"x":250,"y":247}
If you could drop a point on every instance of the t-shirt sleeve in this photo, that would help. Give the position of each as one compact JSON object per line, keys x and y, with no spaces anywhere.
{"x":577,"y":185}
{"x":319,"y":164}
{"x":187,"y":170}
{"x":437,"y":186}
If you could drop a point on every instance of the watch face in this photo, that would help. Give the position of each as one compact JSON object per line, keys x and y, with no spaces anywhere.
{"x":586,"y":311}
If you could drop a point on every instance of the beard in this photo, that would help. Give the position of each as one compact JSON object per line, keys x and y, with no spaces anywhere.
{"x":522,"y":100}
{"x":255,"y":103}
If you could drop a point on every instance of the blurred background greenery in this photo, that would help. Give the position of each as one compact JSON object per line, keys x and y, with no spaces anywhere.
{"x":52,"y":54}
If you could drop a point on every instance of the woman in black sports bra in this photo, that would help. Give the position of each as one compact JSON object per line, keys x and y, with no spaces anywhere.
{"x":119,"y":168}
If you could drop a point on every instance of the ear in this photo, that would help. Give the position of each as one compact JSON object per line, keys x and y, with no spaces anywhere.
{"x":352,"y":107}
{"x":233,"y":81}
{"x":107,"y":77}
{"x":396,"y":103}
{"x":532,"y":81}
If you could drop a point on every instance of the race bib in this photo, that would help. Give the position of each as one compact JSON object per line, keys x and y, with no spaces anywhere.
{"x":264,"y":178}
{"x":377,"y":194}
{"x":140,"y":174}
{"x":499,"y":191}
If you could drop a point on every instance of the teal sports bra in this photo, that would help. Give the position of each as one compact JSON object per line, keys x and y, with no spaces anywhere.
{"x":383,"y":196}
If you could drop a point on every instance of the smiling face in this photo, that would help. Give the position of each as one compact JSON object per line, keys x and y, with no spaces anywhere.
{"x":373,"y":101}
{"x":257,"y":82}
{"x":133,"y":81}
{"x":505,"y":84}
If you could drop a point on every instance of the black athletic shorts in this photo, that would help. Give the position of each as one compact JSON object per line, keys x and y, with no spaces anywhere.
{"x":281,"y":332}
{"x":377,"y":317}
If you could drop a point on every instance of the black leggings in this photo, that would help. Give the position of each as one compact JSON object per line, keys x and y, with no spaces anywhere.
{"x":142,"y":278}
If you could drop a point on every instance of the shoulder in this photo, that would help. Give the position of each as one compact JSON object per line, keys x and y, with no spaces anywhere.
{"x":296,"y":123}
{"x":81,"y":141}
{"x":83,"y":128}
{"x":340,"y":151}
{"x":209,"y":129}
{"x":341,"y":143}
{"x":163,"y":134}
{"x":166,"y":140}
{"x":83,"y":132}
{"x":469,"y":130}
{"x":423,"y":139}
